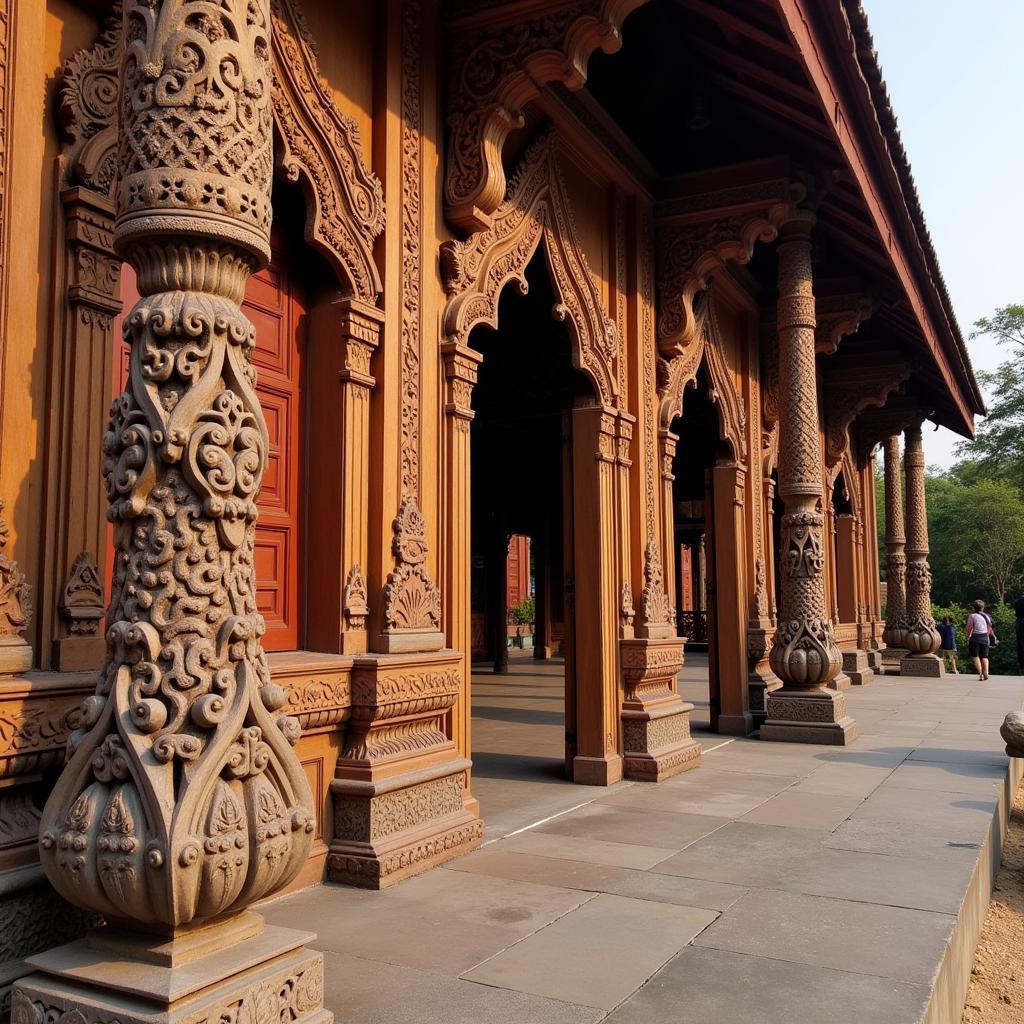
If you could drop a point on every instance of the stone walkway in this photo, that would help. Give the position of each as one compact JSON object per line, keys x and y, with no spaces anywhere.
{"x":775,"y":883}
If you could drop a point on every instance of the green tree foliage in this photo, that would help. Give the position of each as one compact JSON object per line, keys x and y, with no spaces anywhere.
{"x":998,"y":448}
{"x":976,"y":534}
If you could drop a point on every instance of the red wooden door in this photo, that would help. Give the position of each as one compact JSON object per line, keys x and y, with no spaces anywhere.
{"x":274,"y":304}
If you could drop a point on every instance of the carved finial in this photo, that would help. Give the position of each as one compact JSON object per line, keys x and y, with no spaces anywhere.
{"x":626,"y":610}
{"x":412,"y":602}
{"x":81,"y":604}
{"x":657,"y":616}
{"x":355,"y":598}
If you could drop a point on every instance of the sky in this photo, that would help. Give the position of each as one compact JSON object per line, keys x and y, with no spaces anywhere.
{"x":955,"y":74}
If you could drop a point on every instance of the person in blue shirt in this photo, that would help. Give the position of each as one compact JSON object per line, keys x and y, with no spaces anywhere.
{"x":947,"y":632}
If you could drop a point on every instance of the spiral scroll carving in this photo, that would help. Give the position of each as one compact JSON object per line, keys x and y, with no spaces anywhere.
{"x":182,"y":798}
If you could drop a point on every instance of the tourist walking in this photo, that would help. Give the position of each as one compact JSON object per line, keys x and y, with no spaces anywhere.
{"x":979,"y":636}
{"x":947,"y":631}
{"x":1018,"y":610}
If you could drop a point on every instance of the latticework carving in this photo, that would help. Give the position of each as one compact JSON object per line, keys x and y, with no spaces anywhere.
{"x":537,"y":209}
{"x":182,"y":798}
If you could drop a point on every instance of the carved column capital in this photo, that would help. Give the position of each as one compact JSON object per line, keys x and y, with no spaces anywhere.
{"x":361,"y":325}
{"x":461,"y":371}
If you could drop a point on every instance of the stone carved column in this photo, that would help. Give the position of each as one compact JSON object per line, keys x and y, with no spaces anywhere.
{"x":895,"y":635}
{"x":922,"y":638}
{"x":182,"y":801}
{"x":804,"y":653}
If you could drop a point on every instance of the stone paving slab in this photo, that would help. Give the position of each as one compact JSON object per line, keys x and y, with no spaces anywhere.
{"x":775,"y":883}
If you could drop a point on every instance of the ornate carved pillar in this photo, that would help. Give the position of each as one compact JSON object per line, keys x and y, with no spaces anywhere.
{"x":804,"y":653}
{"x":182,"y":801}
{"x":922,"y":638}
{"x":762,"y":619}
{"x":895,"y":635}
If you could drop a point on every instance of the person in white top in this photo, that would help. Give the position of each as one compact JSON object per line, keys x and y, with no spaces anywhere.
{"x":979,"y":637}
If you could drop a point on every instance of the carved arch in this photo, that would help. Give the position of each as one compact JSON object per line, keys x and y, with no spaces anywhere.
{"x":320,"y":147}
{"x":494,"y":77}
{"x":537,"y":210}
{"x":680,"y":372}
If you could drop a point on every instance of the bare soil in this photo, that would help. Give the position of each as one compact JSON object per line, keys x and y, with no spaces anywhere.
{"x":996,"y":992}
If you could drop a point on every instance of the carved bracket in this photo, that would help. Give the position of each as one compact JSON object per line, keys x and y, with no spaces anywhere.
{"x":496,"y":71}
{"x":699,"y":232}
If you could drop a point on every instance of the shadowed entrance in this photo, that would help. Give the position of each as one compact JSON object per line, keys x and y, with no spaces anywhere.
{"x":523,"y":713}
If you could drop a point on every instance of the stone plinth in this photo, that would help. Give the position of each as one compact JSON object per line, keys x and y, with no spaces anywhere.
{"x":235,"y":970}
{"x":399,"y":786}
{"x":811,"y":716}
{"x":927,"y":665}
{"x":857,"y":667}
{"x":655,"y":719}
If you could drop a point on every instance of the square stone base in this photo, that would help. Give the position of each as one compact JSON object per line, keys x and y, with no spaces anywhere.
{"x":597,"y":771}
{"x":892,"y":658}
{"x":269,"y":976}
{"x":857,"y":667}
{"x":927,"y":665}
{"x":814,"y":716}
{"x":389,"y":830}
{"x":841,"y":681}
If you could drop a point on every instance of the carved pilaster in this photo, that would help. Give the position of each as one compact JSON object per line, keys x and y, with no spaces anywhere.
{"x":922,"y":638}
{"x":182,"y":800}
{"x":804,"y":652}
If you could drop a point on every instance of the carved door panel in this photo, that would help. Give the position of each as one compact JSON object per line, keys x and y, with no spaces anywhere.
{"x":273,"y":302}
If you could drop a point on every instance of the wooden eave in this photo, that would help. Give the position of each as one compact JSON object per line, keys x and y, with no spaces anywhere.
{"x":793,"y":66}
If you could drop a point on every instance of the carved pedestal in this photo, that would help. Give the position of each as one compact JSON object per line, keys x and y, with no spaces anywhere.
{"x":655,"y":719}
{"x":398,"y":790}
{"x":857,"y":667}
{"x":237,"y":970}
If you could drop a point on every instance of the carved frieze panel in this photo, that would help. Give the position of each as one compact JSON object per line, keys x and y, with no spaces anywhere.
{"x":495,"y":72}
{"x":537,"y":209}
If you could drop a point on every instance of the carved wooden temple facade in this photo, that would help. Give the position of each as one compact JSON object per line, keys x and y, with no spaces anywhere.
{"x":308,"y":307}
